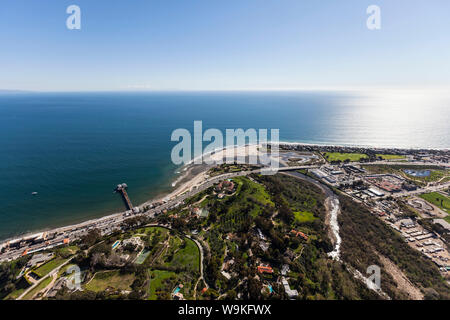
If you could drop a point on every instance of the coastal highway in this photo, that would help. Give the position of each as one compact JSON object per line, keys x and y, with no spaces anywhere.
{"x":112,"y":222}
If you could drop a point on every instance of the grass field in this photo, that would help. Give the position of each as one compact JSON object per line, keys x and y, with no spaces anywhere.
{"x":68,"y":250}
{"x":304,"y":216}
{"x":438,"y":200}
{"x":49,"y":266}
{"x":38,"y":288}
{"x":149,"y":231}
{"x":337,"y":156}
{"x":64,"y":269}
{"x":113,"y":279}
{"x":156,"y":282}
{"x":390,"y":156}
{"x":188,"y":257}
{"x":253,"y":190}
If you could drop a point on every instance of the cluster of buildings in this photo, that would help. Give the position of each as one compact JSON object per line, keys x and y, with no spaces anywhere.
{"x":225,"y":187}
{"x":386,"y":182}
{"x":427,"y":242}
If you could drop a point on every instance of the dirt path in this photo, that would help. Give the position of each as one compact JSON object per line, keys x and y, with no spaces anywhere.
{"x":48,"y":287}
{"x":403,"y":283}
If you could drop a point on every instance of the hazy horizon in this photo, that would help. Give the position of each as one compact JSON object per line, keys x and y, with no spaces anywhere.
{"x":233,"y":46}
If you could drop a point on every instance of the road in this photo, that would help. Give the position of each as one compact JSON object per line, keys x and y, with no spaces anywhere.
{"x":43,"y":278}
{"x":113,"y":222}
{"x":197,"y":243}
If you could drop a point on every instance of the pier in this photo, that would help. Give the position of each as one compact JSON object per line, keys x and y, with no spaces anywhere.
{"x":121,"y":188}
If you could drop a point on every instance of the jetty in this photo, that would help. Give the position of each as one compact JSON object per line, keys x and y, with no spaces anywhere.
{"x":122,"y":189}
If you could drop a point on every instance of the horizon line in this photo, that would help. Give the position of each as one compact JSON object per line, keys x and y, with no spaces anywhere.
{"x":274,"y":89}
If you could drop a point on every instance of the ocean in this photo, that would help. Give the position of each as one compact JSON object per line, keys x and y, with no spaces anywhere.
{"x":74,"y":148}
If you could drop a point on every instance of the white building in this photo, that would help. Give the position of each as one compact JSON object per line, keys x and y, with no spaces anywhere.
{"x":291,"y":293}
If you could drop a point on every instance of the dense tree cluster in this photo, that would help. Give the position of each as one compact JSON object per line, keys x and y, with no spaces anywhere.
{"x":365,"y":236}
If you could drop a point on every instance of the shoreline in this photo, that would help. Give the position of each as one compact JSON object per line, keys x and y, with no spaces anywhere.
{"x":324,"y":145}
{"x":187,"y":181}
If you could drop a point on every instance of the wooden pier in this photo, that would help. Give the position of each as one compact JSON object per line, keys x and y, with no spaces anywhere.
{"x":121,"y":188}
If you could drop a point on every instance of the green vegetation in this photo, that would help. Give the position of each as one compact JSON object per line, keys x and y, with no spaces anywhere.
{"x":435,"y":175}
{"x":11,"y":287}
{"x":390,"y":156}
{"x":235,"y":213}
{"x":436,"y":172}
{"x":110,"y":279}
{"x":187,"y":256}
{"x":364,"y":237}
{"x":142,"y":256}
{"x":67,"y":251}
{"x":229,"y":168}
{"x":439,"y":200}
{"x":337,"y":156}
{"x":44,"y":283}
{"x":304,"y":216}
{"x":294,"y":204}
{"x":160,"y":284}
{"x":49,"y":266}
{"x":312,"y":273}
{"x":15,"y":294}
{"x":274,"y":220}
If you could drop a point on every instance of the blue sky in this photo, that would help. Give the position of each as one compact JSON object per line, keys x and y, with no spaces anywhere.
{"x":223,"y":45}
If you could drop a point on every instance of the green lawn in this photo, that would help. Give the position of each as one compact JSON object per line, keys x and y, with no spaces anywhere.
{"x":251,"y":190}
{"x":438,"y":200}
{"x":390,"y":156}
{"x":64,"y":269}
{"x":304,"y":216}
{"x":113,"y":279}
{"x":255,"y":190}
{"x":38,"y":288}
{"x":49,"y":266}
{"x":148,"y":230}
{"x":188,"y":257}
{"x":68,"y":250}
{"x":447,"y":218}
{"x":336,"y":156}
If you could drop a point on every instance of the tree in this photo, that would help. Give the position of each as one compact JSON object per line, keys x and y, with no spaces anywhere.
{"x":231,"y":295}
{"x":91,"y":238}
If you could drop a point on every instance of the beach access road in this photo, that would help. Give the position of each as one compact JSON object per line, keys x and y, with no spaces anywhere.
{"x":50,"y":274}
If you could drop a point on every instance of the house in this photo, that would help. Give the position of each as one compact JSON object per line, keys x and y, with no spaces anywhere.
{"x":407,"y":223}
{"x":39,"y":258}
{"x":265,"y":269}
{"x":299,"y":233}
{"x":264,"y":246}
{"x":285,"y":269}
{"x":290,"y":293}
{"x":443,"y":223}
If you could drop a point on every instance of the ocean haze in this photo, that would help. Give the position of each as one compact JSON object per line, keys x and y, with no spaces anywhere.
{"x":73,"y":148}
